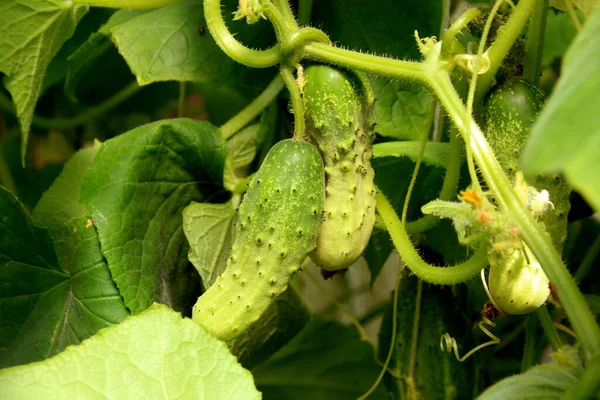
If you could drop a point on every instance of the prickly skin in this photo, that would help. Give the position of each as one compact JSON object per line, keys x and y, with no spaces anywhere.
{"x":509,"y":113}
{"x":277,"y":226}
{"x":338,"y":120}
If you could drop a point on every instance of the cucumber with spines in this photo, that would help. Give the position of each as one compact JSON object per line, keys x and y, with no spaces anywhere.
{"x":277,"y":227}
{"x":338,"y":109}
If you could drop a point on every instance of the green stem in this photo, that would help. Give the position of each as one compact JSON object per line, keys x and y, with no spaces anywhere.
{"x":457,"y":26}
{"x":365,"y":62}
{"x":304,"y":11}
{"x":531,"y":342}
{"x":504,"y":41}
{"x":414,"y":342}
{"x":231,"y":46}
{"x":573,"y":15}
{"x":588,"y":261}
{"x":429,"y":273}
{"x":531,"y":231}
{"x":297,"y":103}
{"x":86,"y":116}
{"x":253,"y":109}
{"x":548,"y":327}
{"x":288,"y":15}
{"x":126,"y":3}
{"x":588,"y":385}
{"x":535,"y":43}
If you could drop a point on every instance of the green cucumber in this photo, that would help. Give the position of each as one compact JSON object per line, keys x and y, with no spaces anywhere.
{"x":338,"y":109}
{"x":517,"y":283}
{"x":277,"y":226}
{"x":509,"y":112}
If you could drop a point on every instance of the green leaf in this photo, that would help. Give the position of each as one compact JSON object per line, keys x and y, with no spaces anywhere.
{"x":241,"y":150}
{"x":435,"y":375}
{"x":209,"y":230}
{"x":403,"y":110}
{"x":31,"y":33}
{"x":566,"y":136}
{"x":150,"y":355}
{"x":550,"y":381}
{"x":60,"y":202}
{"x":587,"y":6}
{"x":325,"y":361}
{"x":136,"y":190}
{"x":276,"y":327}
{"x":559,"y":33}
{"x":175,"y":48}
{"x":51,"y":295}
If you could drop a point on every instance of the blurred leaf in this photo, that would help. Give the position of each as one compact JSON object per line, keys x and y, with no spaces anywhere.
{"x":60,"y":202}
{"x":31,"y":33}
{"x":549,"y":381}
{"x":136,"y":189}
{"x":560,"y":32}
{"x":587,"y":6}
{"x":566,"y":136}
{"x":52,"y":295}
{"x":241,"y":150}
{"x":155,"y":353}
{"x":209,"y":230}
{"x":325,"y":361}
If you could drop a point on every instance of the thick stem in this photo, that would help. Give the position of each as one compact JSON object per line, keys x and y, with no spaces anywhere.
{"x":548,"y":327}
{"x":535,"y":43}
{"x":532,"y":233}
{"x":429,"y":273}
{"x":253,"y":109}
{"x":231,"y":46}
{"x":90,"y":114}
{"x":304,"y":11}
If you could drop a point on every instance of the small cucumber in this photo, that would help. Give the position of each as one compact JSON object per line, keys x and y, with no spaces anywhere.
{"x":277,"y":226}
{"x":338,"y":108}
{"x":517,"y":283}
{"x":509,"y":112}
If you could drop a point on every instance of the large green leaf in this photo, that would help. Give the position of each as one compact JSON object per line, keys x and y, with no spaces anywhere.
{"x":136,"y":189}
{"x":403,"y":110}
{"x":550,"y":381}
{"x":325,"y":361}
{"x":31,"y":33}
{"x":566,"y":137}
{"x":60,"y":202}
{"x":179,"y":47}
{"x":51,"y":295}
{"x":155,"y":354}
{"x":559,"y":33}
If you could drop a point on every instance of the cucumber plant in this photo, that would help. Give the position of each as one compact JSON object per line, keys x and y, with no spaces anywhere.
{"x":105,"y":241}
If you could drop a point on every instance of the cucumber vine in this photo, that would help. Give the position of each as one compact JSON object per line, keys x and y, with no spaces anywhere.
{"x":296,"y":44}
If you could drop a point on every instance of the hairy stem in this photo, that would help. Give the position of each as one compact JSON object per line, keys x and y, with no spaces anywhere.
{"x":253,"y":109}
{"x":297,"y":103}
{"x":427,"y":272}
{"x":231,"y":46}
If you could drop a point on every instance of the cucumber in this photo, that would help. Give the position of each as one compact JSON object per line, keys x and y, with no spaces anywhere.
{"x":277,"y":226}
{"x":517,"y":283}
{"x":509,"y":112}
{"x":338,"y":109}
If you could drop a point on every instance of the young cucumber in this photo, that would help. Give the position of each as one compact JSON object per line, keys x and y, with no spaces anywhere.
{"x":338,"y":106}
{"x":509,"y":112}
{"x":517,"y":283}
{"x":277,"y":226}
